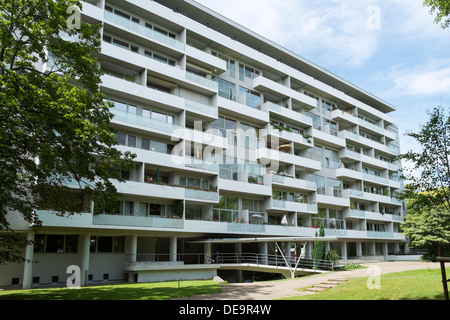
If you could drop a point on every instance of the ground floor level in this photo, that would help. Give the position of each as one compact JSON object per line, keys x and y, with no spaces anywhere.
{"x":108,"y":256}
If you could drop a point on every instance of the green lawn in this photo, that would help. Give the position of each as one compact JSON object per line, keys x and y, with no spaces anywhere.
{"x":144,"y":291}
{"x":408,"y":285}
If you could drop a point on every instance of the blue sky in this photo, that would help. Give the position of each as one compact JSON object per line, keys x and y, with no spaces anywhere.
{"x":390,"y":48}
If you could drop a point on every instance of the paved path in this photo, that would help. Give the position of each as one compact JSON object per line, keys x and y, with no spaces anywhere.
{"x":279,"y":289}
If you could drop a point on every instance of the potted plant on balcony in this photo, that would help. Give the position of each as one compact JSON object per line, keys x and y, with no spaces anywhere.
{"x":178,"y":209}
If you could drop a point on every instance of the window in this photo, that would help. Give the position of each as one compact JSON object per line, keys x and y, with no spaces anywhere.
{"x":193,"y":214}
{"x":124,"y":107}
{"x":337,"y":187}
{"x":194,"y":183}
{"x":159,"y":57}
{"x":227,"y":209}
{"x":120,"y":43}
{"x":104,"y":244}
{"x":320,"y":182}
{"x":227,"y":89}
{"x":253,"y":206}
{"x":145,"y":144}
{"x":247,"y":72}
{"x":132,"y":141}
{"x":252,"y":98}
{"x":39,"y":243}
{"x":55,"y":243}
{"x":71,"y":244}
{"x":223,"y":124}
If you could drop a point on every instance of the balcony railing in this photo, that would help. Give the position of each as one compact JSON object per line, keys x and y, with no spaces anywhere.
{"x":133,"y":26}
{"x":145,"y":122}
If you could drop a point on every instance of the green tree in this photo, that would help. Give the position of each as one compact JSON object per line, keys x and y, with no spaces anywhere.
{"x":319,"y":246}
{"x":54,"y":123}
{"x":428,"y":191}
{"x":427,"y":229}
{"x":442,"y":10}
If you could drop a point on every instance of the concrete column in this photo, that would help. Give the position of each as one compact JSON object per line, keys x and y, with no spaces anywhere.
{"x":308,"y":250}
{"x":396,"y":247}
{"x":287,"y":251}
{"x":207,"y":250}
{"x":131,"y":248}
{"x":372,"y":248}
{"x":264,"y":250}
{"x":238,"y":251}
{"x":385,"y":249}
{"x":344,"y":249}
{"x":85,"y":246}
{"x":28,"y":265}
{"x":173,"y":248}
{"x":358,"y":249}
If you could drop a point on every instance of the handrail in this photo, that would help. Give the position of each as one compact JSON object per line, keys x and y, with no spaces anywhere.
{"x":259,"y":259}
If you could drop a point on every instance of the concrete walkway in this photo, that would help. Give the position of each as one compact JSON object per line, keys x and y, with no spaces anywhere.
{"x":279,"y":289}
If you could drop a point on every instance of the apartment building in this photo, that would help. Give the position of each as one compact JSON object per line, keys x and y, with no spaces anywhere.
{"x":238,"y":141}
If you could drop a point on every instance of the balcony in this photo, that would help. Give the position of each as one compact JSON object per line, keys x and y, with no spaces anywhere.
{"x":237,"y":109}
{"x":376,"y":179}
{"x":202,"y":110}
{"x":277,"y":89}
{"x":137,"y":222}
{"x":244,"y":187}
{"x":191,"y":162}
{"x":141,"y":30}
{"x":201,"y":195}
{"x":275,"y":156}
{"x":156,"y":190}
{"x":328,"y":137}
{"x":293,"y":116}
{"x":354,"y":213}
{"x":292,"y":206}
{"x":291,"y":136}
{"x":293,"y":183}
{"x":345,"y":134}
{"x":346,"y":154}
{"x":166,"y":128}
{"x":206,"y":60}
{"x":119,"y":87}
{"x":348,"y":173}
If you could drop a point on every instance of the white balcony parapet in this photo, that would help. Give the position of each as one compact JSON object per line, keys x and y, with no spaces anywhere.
{"x":202,"y":81}
{"x":201,"y":108}
{"x":136,"y":221}
{"x":202,"y":195}
{"x":142,"y":30}
{"x":135,"y":119}
{"x":192,"y":162}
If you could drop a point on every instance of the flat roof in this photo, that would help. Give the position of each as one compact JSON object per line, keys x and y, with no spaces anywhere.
{"x":268,"y":239}
{"x":215,"y":21}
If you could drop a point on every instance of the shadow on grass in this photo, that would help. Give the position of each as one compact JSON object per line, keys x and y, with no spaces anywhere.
{"x":114,"y":292}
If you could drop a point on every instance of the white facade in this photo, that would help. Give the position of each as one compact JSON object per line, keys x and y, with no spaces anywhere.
{"x":302,"y":147}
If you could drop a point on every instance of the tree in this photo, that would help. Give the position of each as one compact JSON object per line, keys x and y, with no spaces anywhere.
{"x":54,"y":123}
{"x":428,"y":191}
{"x":442,"y":9}
{"x":319,"y":246}
{"x":427,"y":229}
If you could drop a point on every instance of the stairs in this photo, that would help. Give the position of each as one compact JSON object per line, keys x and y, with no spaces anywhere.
{"x":331,"y":283}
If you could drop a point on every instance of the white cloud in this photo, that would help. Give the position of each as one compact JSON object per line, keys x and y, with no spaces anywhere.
{"x":328,"y":33}
{"x":430,"y":78}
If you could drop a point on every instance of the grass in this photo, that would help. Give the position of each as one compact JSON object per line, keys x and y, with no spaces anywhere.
{"x":141,"y":291}
{"x":408,"y":285}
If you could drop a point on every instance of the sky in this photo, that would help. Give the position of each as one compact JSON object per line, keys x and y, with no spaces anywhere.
{"x":390,"y":48}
